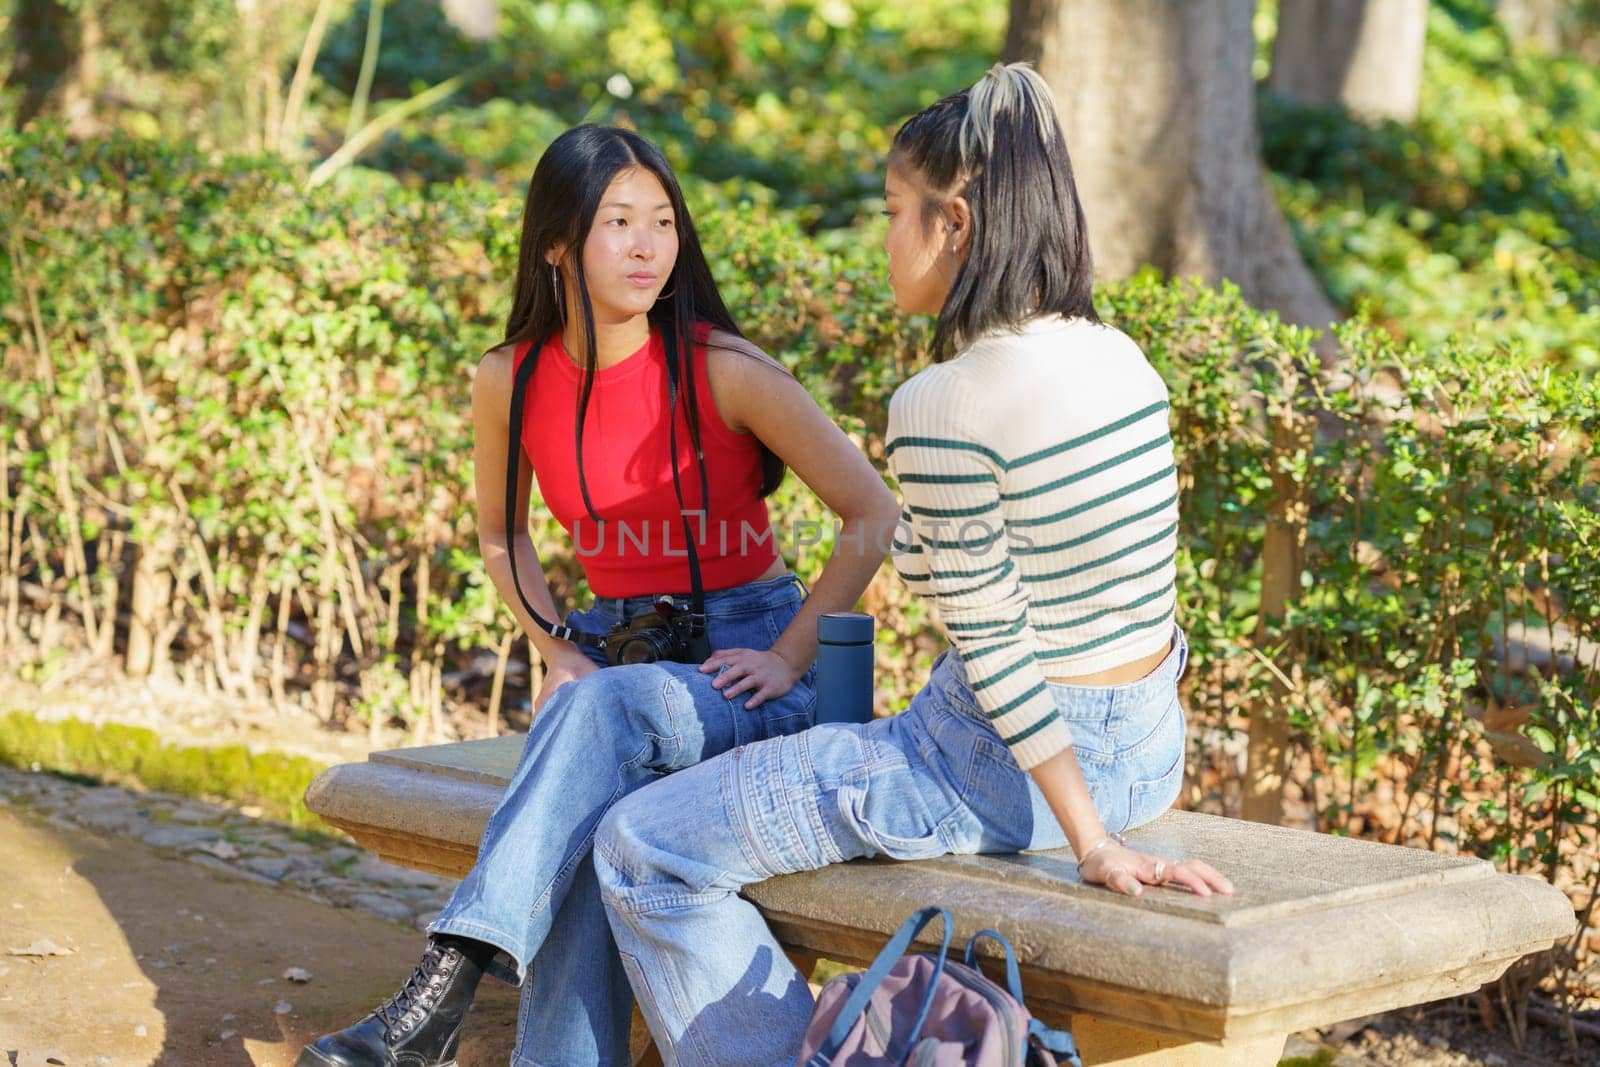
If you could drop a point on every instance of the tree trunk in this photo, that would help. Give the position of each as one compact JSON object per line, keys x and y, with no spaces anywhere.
{"x":1282,"y":559}
{"x":57,"y":62}
{"x":1534,"y":21}
{"x":1364,"y":54}
{"x":1158,"y":105}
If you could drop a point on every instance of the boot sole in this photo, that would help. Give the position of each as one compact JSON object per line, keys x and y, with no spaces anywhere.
{"x":310,"y":1057}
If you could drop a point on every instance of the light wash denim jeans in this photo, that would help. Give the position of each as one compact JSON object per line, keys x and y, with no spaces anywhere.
{"x":712,"y":982}
{"x":532,"y":892}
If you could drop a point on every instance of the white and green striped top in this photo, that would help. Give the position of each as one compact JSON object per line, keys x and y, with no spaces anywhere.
{"x":1040,"y":513}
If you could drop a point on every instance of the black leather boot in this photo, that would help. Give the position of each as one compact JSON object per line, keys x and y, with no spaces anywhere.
{"x":417,"y":1027}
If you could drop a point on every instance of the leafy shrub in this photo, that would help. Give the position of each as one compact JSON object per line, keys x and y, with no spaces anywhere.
{"x":1483,"y":217}
{"x":794,"y":96}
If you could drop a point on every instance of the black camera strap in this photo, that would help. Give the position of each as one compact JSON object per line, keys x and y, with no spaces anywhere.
{"x":519,"y":389}
{"x":697,"y":603}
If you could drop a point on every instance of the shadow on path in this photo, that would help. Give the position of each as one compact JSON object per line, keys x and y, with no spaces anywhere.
{"x":187,"y":954}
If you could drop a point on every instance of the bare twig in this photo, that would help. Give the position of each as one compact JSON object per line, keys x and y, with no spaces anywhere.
{"x":1546,"y":1017}
{"x":352,"y":148}
{"x":502,"y":655}
{"x":369,"y":63}
{"x":302,"y":75}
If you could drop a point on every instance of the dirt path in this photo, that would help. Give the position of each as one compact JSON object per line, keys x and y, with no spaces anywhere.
{"x":175,"y":963}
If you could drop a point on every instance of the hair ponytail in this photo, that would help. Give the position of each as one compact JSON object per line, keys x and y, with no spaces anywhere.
{"x":1008,"y":97}
{"x":999,"y":145}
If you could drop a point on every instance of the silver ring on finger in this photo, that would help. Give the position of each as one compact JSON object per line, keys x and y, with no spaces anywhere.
{"x":1161,"y":872}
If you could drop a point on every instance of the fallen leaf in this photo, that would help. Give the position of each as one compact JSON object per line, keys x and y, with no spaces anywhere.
{"x":42,"y":947}
{"x":297,"y":974}
{"x":33,"y":1057}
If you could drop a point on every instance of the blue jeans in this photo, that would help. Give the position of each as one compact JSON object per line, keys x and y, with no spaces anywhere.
{"x":712,"y":982}
{"x":532,"y":892}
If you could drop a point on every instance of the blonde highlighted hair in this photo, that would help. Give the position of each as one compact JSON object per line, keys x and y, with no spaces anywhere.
{"x":1007,"y":95}
{"x":999,"y":146}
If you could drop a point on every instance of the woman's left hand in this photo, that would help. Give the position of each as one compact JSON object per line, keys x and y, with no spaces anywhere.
{"x":765,"y":675}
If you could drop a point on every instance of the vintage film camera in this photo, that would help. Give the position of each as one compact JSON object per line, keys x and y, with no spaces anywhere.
{"x":668,"y":633}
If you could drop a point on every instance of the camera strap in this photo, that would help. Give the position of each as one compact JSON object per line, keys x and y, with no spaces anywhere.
{"x":697,"y":603}
{"x":519,"y":389}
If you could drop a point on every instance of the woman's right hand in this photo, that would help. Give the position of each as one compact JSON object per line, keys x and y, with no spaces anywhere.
{"x":568,"y":668}
{"x":1126,"y":870}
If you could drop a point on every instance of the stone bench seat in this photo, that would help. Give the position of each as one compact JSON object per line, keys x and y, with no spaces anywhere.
{"x":1320,"y":929}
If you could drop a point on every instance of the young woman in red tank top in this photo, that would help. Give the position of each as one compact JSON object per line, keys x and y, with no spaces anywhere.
{"x":644,"y":403}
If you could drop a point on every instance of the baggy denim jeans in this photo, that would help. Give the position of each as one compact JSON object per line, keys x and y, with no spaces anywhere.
{"x":532,"y":892}
{"x":712,"y":981}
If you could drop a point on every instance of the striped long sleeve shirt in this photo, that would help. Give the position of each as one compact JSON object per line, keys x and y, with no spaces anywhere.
{"x":1040,"y":513}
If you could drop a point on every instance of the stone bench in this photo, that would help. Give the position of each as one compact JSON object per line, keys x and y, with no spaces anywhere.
{"x":1321,"y":928}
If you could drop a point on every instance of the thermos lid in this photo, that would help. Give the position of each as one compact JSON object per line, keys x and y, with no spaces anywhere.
{"x":844,"y":628}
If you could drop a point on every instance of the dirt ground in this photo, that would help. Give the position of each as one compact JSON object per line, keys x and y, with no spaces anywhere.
{"x":174,"y":963}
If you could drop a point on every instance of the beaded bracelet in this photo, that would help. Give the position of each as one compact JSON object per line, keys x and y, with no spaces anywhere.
{"x":1098,"y":845}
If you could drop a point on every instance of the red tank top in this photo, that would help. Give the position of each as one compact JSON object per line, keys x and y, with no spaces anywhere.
{"x":637,"y":548}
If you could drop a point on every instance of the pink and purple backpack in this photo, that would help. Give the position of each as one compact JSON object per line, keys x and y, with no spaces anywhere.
{"x":924,"y":1010}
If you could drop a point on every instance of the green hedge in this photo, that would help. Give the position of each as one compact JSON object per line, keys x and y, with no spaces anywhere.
{"x":259,"y":393}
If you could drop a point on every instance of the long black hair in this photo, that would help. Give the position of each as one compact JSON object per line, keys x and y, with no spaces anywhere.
{"x":563,"y":196}
{"x":999,"y":145}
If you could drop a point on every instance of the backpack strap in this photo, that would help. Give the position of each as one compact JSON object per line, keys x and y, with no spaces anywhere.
{"x":1013,"y":976}
{"x":1057,"y":1041}
{"x":873,"y":977}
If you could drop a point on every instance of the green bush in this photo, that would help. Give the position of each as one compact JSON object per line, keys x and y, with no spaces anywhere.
{"x":798,"y":97}
{"x":1482,"y":217}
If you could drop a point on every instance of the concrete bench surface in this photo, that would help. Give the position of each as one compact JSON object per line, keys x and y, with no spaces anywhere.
{"x":1320,"y":928}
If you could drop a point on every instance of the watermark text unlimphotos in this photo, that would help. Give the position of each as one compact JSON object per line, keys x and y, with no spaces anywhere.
{"x":622,"y":538}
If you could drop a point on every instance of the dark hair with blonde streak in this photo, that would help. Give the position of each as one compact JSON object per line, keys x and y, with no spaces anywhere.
{"x":999,"y":145}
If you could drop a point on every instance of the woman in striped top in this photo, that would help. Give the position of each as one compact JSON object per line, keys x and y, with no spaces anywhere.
{"x":1040,"y":515}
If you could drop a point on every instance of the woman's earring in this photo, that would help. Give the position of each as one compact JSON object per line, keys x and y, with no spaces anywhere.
{"x":555,"y":287}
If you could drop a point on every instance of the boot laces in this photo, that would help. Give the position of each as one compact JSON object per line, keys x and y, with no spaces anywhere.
{"x":408,"y":1006}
